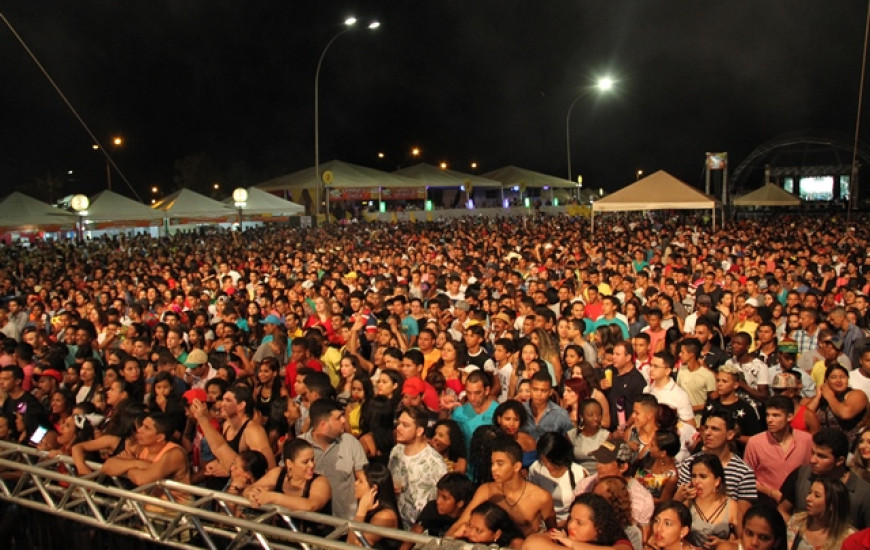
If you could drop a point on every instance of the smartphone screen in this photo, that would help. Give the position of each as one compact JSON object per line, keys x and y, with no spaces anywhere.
{"x":38,"y":435}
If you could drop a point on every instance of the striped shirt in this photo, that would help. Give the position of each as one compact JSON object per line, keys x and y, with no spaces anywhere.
{"x":739,"y":477}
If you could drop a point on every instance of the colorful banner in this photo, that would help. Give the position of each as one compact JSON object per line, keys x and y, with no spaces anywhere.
{"x":717,"y":161}
{"x":371,"y":194}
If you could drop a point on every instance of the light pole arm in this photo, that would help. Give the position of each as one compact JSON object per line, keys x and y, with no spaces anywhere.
{"x":317,"y":181}
{"x":568,"y":133}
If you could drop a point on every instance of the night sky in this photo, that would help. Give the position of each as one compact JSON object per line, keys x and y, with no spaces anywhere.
{"x":228,"y":85}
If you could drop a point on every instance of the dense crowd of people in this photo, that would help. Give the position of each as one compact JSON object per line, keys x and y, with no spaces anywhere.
{"x":513,"y":381}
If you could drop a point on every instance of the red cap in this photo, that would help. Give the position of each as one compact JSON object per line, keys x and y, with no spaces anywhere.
{"x":54,"y":374}
{"x":414,"y":386}
{"x":195,"y":393}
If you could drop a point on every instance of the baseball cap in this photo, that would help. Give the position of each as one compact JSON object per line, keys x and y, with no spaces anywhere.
{"x":784,"y":381}
{"x":463,"y":305}
{"x":307,"y":285}
{"x":611,"y":451}
{"x":834,"y":341}
{"x":704,"y":300}
{"x":195,"y":393}
{"x":271,"y":319}
{"x":413,"y":386}
{"x":788,"y":345}
{"x":196,"y":358}
{"x":53,"y":374}
{"x":752,"y":302}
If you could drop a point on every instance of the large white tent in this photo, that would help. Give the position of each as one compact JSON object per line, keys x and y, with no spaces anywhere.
{"x":109,"y":209}
{"x":20,"y":211}
{"x":769,"y":195}
{"x":336,"y":173}
{"x":260,"y":203}
{"x":186,"y":206}
{"x":658,"y":191}
{"x":514,"y":176}
{"x":433,"y":176}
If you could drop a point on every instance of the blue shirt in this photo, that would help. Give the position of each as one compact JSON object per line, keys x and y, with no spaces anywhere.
{"x":554,"y":419}
{"x":469,"y":420}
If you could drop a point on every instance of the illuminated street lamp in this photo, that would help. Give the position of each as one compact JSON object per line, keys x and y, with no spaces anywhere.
{"x":117,"y":141}
{"x":80,"y":204}
{"x":638,"y":175}
{"x":415,"y":152}
{"x":240,"y":196}
{"x":349,"y":23}
{"x":443,"y":166}
{"x":604,"y":84}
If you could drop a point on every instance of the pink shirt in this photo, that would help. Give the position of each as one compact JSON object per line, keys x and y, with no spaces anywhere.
{"x":772,"y":463}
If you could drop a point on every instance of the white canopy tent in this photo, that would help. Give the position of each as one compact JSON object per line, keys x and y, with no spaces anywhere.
{"x":188,"y":206}
{"x":658,"y":191}
{"x":261,"y":202}
{"x":768,"y":195}
{"x":109,"y":209}
{"x":514,"y":176}
{"x":433,"y":176}
{"x":20,"y":211}
{"x":340,"y":181}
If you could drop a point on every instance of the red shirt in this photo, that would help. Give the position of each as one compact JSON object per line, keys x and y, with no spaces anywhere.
{"x":290,"y":376}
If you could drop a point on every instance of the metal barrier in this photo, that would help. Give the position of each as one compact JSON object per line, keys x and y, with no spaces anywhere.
{"x":30,"y":478}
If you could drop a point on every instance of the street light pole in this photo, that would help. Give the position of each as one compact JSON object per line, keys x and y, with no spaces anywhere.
{"x":349,"y":23}
{"x":604,"y":84}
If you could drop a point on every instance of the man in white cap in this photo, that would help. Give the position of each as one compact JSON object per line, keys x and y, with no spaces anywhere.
{"x":198,"y":369}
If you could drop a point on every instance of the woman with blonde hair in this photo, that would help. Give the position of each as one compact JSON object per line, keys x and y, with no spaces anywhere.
{"x":826,"y":522}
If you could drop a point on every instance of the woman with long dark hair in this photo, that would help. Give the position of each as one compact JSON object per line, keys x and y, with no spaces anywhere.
{"x":556,"y":472}
{"x":378,"y":437}
{"x":268,"y":387}
{"x":448,"y":440}
{"x":836,"y":404}
{"x":715,"y":516}
{"x":511,"y":416}
{"x":763,"y":529}
{"x":376,"y":497}
{"x":91,"y":380}
{"x":591,"y":522}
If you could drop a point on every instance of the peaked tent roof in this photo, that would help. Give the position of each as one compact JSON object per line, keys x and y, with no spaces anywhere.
{"x":341,"y":174}
{"x":112,"y":207}
{"x":434,"y":176}
{"x":263,"y":202}
{"x":20,"y":210}
{"x":190,"y":204}
{"x":513,"y":175}
{"x":768,"y":195}
{"x":658,"y":191}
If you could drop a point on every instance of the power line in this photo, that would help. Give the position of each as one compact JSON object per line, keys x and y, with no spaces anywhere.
{"x":69,"y":105}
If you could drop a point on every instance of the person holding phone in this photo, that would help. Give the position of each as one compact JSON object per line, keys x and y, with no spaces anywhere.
{"x":21,"y":402}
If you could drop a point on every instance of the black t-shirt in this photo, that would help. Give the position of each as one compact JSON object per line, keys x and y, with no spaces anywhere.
{"x":745,"y":415}
{"x":31,"y":410}
{"x":625,"y":390}
{"x":433,"y":522}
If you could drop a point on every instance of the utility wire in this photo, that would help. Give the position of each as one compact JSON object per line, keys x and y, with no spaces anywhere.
{"x":75,"y":113}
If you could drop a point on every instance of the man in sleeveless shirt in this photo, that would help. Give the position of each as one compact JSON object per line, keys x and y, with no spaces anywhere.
{"x":157,"y":458}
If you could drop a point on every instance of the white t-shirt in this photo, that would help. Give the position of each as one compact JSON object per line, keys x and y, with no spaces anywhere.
{"x":673,"y":396}
{"x":858,"y":381}
{"x":561,"y":489}
{"x":504,"y":377}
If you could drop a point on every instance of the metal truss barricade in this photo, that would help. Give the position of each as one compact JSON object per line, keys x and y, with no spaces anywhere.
{"x":32,"y":479}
